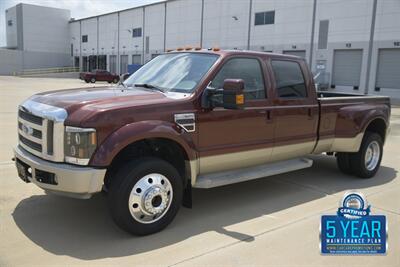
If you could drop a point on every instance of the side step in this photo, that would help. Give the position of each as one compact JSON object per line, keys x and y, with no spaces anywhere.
{"x":251,"y":173}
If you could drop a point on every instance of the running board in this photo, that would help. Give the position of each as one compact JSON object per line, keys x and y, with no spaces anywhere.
{"x":251,"y":173}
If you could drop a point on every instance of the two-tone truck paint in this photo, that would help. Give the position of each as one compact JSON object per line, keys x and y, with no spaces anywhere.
{"x":192,"y":119}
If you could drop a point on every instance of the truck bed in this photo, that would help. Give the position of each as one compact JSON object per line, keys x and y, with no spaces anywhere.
{"x":343,"y":118}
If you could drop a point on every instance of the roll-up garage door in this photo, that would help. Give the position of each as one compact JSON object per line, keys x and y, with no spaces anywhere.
{"x":113,"y":64}
{"x":123,"y":64}
{"x":299,"y":53}
{"x":347,"y":67}
{"x":388,"y":73}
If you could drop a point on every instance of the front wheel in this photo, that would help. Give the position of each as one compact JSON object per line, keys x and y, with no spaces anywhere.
{"x":366,"y":162}
{"x":145,"y":195}
{"x":93,"y":80}
{"x":115,"y":80}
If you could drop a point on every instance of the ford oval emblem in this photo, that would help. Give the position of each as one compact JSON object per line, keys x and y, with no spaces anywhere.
{"x":27,"y":129}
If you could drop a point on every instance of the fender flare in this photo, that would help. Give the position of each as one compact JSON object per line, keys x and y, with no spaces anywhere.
{"x":133,"y":132}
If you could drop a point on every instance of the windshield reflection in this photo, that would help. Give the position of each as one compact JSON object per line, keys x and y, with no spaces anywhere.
{"x":175,"y":72}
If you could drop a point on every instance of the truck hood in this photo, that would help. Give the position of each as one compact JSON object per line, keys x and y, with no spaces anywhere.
{"x":84,"y":101}
{"x":103,"y":97}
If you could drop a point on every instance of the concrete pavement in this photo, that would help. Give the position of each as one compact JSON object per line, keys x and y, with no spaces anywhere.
{"x":267,"y":222}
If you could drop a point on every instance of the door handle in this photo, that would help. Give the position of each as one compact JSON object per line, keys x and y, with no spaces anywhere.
{"x":268,"y":116}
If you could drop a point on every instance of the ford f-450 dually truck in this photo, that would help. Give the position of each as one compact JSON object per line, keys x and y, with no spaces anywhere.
{"x":197,"y":118}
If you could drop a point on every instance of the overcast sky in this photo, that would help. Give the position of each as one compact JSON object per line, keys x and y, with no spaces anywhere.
{"x":78,"y":8}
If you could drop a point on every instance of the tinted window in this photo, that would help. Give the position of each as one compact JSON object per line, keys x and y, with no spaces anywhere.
{"x":137,"y":32}
{"x":259,"y":20}
{"x":84,"y":38}
{"x":264,"y":18}
{"x":248,"y":69}
{"x":289,"y":79}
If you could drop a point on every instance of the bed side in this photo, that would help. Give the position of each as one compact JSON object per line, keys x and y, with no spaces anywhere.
{"x":344,"y":120}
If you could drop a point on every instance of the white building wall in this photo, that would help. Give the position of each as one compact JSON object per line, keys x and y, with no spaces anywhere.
{"x":291,"y":30}
{"x":75,"y":38}
{"x":349,"y":28}
{"x":226,"y":23}
{"x":387,"y":35}
{"x":183,"y":23}
{"x":108,"y":34}
{"x":154,"y":29}
{"x":130,"y":20}
{"x":46,"y":29}
{"x":89,"y":28}
{"x":11,"y":31}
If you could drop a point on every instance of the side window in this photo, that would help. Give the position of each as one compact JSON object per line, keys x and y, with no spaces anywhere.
{"x":289,"y":79}
{"x":248,"y":69}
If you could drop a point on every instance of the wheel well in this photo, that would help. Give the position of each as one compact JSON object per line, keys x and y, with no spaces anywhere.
{"x":377,"y":126}
{"x":162,"y":148}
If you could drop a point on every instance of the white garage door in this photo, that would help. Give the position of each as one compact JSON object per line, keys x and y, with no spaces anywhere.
{"x":113,"y":64}
{"x":388,"y":73}
{"x":299,"y":53}
{"x":346,"y":67}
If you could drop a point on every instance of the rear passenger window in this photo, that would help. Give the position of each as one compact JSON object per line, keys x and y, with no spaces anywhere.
{"x":248,"y":69}
{"x":289,"y":79}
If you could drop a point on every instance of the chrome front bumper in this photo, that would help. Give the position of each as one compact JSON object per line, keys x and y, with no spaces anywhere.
{"x":69,"y":180}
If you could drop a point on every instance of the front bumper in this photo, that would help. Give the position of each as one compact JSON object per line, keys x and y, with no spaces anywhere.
{"x":69,"y":180}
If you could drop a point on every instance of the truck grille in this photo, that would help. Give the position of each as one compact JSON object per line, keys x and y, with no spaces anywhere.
{"x":41,"y":130}
{"x":31,"y":144}
{"x":30,"y":117}
{"x":35,"y":134}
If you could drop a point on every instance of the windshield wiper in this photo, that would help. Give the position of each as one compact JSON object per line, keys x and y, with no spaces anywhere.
{"x":149,"y":86}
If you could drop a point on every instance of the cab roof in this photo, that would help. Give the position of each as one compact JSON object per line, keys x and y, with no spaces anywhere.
{"x":229,"y":52}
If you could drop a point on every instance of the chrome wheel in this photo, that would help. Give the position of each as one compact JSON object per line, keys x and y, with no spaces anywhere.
{"x":150,"y":198}
{"x":372,"y":155}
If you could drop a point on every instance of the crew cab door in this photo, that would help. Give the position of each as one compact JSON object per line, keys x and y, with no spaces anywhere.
{"x":230,"y":139}
{"x":295,"y":109}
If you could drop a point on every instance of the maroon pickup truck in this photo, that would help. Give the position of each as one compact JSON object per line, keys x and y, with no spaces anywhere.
{"x":192,"y":119}
{"x":99,"y":75}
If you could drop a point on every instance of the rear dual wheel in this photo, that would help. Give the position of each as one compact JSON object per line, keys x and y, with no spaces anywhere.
{"x":366,"y":162}
{"x":145,"y":195}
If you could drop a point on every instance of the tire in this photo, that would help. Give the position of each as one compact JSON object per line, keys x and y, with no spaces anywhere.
{"x":115,"y":80}
{"x":127,"y":206}
{"x":87,"y":81}
{"x":343,"y":162}
{"x":360,"y":165}
{"x":93,"y":80}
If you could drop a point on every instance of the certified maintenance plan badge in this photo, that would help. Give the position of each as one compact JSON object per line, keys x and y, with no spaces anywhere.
{"x":353,"y":230}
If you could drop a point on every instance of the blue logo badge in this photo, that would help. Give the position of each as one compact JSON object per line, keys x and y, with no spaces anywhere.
{"x":353,"y":230}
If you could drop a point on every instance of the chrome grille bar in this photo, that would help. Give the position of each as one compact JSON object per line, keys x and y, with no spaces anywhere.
{"x":41,"y":130}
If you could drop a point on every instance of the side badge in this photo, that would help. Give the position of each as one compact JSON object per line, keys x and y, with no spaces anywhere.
{"x":186,"y":121}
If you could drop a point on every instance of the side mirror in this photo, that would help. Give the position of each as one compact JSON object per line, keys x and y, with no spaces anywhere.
{"x":231,"y":95}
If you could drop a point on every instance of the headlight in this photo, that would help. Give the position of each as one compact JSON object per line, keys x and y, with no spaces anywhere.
{"x":79,"y":144}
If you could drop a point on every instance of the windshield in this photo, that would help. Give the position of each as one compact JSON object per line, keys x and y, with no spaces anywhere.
{"x":176,"y":72}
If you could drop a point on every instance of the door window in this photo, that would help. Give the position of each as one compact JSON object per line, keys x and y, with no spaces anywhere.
{"x":248,"y":69}
{"x":289,"y":79}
